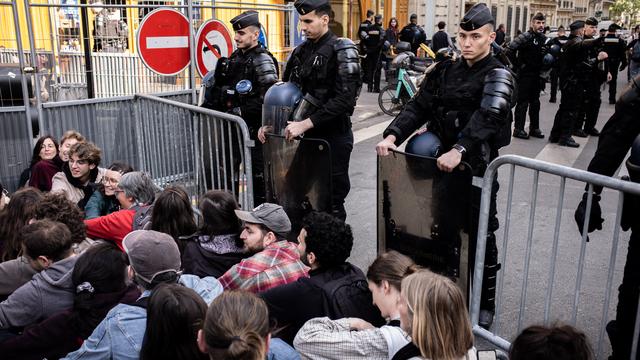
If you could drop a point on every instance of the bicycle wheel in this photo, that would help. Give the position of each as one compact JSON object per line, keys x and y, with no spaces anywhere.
{"x":389,"y":103}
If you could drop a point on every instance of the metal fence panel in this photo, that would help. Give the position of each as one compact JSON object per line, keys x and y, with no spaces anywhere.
{"x":15,"y":145}
{"x":549,"y":270}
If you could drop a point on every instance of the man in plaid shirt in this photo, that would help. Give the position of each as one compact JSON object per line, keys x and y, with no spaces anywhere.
{"x":275,"y":262}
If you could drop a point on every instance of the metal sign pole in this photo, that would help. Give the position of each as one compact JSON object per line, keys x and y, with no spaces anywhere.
{"x":21,"y":60}
{"x":192,"y":53}
{"x":86,"y":43}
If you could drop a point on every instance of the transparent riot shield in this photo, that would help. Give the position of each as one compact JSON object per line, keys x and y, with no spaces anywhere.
{"x":424,"y":213}
{"x":298,"y":176}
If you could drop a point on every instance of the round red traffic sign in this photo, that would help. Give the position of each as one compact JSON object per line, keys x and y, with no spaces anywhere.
{"x":163,"y":41}
{"x":213,"y":41}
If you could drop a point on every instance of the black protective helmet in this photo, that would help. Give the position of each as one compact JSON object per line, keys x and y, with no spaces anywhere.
{"x":280,"y":101}
{"x":402,"y":46}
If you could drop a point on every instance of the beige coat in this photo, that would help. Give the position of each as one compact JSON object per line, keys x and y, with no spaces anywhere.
{"x":60,"y":184}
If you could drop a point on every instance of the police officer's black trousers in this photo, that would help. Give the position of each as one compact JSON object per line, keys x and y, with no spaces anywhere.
{"x":568,"y":112}
{"x":590,"y":107}
{"x":374,"y":69}
{"x":341,"y":147}
{"x":554,"y":83}
{"x":528,"y":97}
{"x":621,"y":330}
{"x":491,"y":266}
{"x":613,"y":84}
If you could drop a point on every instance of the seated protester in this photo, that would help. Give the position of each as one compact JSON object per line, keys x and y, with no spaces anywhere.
{"x":175,"y":315}
{"x":433,"y":312}
{"x":103,"y":201}
{"x":355,"y":338}
{"x":99,"y":282}
{"x":13,"y":218}
{"x":55,"y":207}
{"x":237,"y":327}
{"x":216,"y":247}
{"x":154,"y":259}
{"x":80,"y":176}
{"x":136,"y":193}
{"x":275,"y":262}
{"x":68,"y":139}
{"x":172,"y":214}
{"x":47,"y":248}
{"x":335,"y":287}
{"x":45,"y":163}
{"x":558,"y":342}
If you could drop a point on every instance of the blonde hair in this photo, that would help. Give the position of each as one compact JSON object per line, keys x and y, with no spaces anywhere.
{"x":440,"y":326}
{"x":237,"y":327}
{"x":72,"y":134}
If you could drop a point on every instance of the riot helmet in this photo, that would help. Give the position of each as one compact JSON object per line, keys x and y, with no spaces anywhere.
{"x":280,"y":102}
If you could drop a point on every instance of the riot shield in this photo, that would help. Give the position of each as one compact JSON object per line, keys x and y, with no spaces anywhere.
{"x":298,"y":176}
{"x":424,"y":213}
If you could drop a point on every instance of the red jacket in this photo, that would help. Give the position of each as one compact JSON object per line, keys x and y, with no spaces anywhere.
{"x":113,"y":227}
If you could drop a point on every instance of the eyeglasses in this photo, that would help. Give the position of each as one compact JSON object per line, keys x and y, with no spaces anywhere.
{"x":110,"y":181}
{"x":79,"y":162}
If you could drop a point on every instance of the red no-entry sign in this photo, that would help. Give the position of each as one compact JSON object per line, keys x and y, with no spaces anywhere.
{"x":163,"y":41}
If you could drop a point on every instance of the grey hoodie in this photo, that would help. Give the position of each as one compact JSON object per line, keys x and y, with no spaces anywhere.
{"x":48,"y":292}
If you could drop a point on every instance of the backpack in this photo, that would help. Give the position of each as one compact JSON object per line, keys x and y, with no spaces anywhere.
{"x":349,"y":296}
{"x":635,"y":56}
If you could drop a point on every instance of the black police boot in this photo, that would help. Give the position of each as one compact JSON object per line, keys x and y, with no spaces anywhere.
{"x":568,"y":142}
{"x":489,"y":283}
{"x":536,"y":133}
{"x":553,"y":139}
{"x":520,"y":134}
{"x":580,"y":133}
{"x":593,"y":132}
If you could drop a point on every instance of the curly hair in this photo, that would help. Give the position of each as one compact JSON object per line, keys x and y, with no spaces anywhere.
{"x":556,"y":342}
{"x":56,"y":207}
{"x":87,"y":151}
{"x":14,"y":217}
{"x":329,"y":238}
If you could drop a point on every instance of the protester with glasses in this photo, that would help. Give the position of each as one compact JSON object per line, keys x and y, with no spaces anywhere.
{"x":79,"y":176}
{"x":103,"y":201}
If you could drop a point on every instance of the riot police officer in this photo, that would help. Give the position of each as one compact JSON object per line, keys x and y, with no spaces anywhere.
{"x":617,"y":61}
{"x":238,"y":85}
{"x":374,"y":42}
{"x":575,"y":65}
{"x":526,"y":52}
{"x":593,"y":75}
{"x":363,"y":35}
{"x":413,"y":33}
{"x":327,"y":70}
{"x":559,"y":40}
{"x":467,"y":103}
{"x":620,"y":134}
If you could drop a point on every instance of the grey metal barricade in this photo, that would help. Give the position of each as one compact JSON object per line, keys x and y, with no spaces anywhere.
{"x":544,"y":277}
{"x":177,"y":143}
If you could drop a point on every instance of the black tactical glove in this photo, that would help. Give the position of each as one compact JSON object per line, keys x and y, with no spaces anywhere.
{"x":595,"y":217}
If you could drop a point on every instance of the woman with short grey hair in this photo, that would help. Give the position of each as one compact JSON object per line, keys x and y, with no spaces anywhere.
{"x":136,"y":193}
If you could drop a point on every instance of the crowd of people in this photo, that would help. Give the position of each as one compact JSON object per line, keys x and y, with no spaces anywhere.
{"x":110,"y":266}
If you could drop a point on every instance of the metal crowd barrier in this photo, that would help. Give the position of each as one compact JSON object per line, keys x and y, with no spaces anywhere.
{"x":177,"y":143}
{"x":551,"y":277}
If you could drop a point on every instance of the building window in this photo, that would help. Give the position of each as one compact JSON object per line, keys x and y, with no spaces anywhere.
{"x":509,"y":19}
{"x":526,"y":18}
{"x":494,"y":13}
{"x":518,"y":18}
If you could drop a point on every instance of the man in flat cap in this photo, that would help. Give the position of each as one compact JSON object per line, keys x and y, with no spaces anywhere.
{"x":326,"y":68}
{"x":413,"y":33}
{"x":574,"y":68}
{"x":559,"y":41}
{"x":526,"y":52}
{"x":617,"y":61}
{"x":594,"y":75}
{"x":467,"y":104}
{"x":238,"y":85}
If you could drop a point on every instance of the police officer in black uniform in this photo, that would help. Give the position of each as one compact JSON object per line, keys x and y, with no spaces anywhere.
{"x":620,"y":134}
{"x":594,"y":74}
{"x":413,"y":33}
{"x":526,"y":52}
{"x":238,"y":85}
{"x":617,"y":61}
{"x":559,"y":40}
{"x":575,"y":65}
{"x":327,"y":70}
{"x":467,"y":104}
{"x":363,"y":35}
{"x":375,"y":40}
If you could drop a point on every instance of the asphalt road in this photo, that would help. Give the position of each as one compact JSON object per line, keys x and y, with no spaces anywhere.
{"x":361,"y":210}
